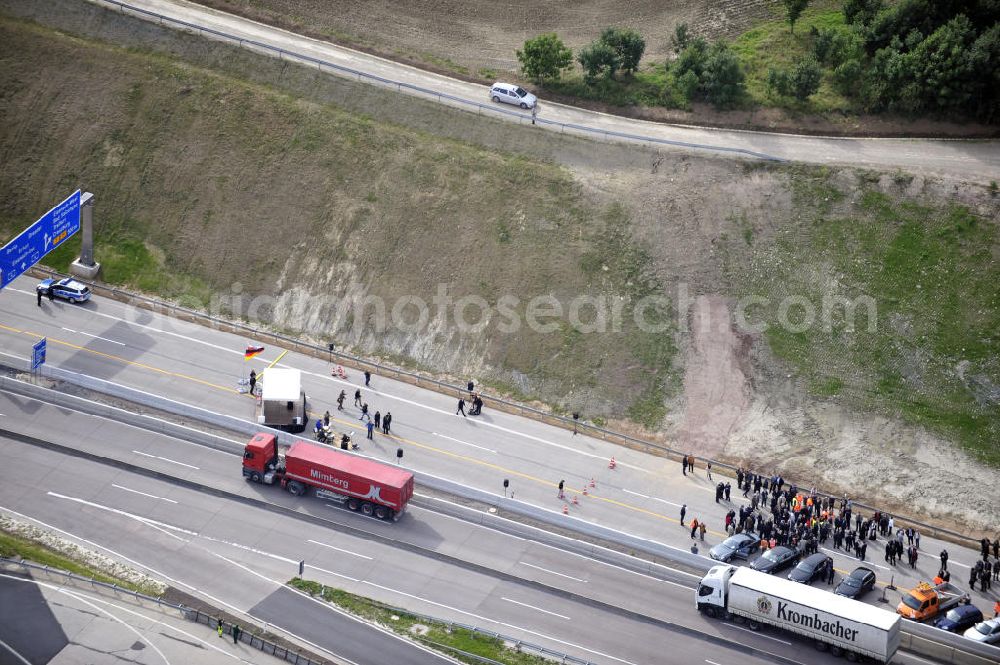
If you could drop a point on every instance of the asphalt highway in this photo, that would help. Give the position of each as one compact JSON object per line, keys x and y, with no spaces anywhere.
{"x":239,"y":555}
{"x":979,"y":160}
{"x":191,"y":364}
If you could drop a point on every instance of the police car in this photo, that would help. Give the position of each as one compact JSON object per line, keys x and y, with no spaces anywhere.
{"x":66,"y":288}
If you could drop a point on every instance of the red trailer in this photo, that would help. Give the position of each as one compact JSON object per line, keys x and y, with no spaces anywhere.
{"x":361,"y":484}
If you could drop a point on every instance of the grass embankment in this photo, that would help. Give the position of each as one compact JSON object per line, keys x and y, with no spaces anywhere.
{"x":205,"y":181}
{"x":454,"y":641}
{"x":933,"y":355}
{"x":13,"y":547}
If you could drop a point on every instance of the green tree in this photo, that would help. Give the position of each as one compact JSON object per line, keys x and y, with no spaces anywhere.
{"x":544,"y":58}
{"x":688,"y":84}
{"x":778,"y":82}
{"x":681,"y":38}
{"x":861,"y":12}
{"x":628,"y":46}
{"x":596,"y":59}
{"x":847,"y":76}
{"x":794,"y":9}
{"x":723,"y":78}
{"x":692,"y":58}
{"x":805,"y":79}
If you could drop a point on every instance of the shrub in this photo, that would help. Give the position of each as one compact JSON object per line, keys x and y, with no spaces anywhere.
{"x":596,"y":59}
{"x":805,"y":79}
{"x":544,"y":57}
{"x":628,"y":46}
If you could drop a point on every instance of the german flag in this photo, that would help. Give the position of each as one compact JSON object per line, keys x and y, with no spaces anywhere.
{"x":252,"y":351}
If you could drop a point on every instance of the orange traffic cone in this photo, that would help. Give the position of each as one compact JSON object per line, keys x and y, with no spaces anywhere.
{"x":565,"y":509}
{"x":593,"y":483}
{"x":576,"y":501}
{"x":612,"y":464}
{"x":585,"y":490}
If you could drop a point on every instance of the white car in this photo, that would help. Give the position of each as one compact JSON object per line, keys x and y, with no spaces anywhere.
{"x":987,"y":631}
{"x":512,"y":94}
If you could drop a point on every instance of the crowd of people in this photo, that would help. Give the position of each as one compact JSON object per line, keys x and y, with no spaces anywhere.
{"x":780,"y":513}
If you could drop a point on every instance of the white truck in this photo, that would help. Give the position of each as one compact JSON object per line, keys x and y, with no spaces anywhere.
{"x":282,"y":400}
{"x":844,"y":626}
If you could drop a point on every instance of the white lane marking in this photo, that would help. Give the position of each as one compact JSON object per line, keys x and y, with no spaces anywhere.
{"x":854,"y":558}
{"x":464,"y":443}
{"x":151,"y":496}
{"x":11,"y":649}
{"x":499,"y":623}
{"x":478,"y":422}
{"x":154,"y":571}
{"x":958,"y":564}
{"x":249,"y":570}
{"x":330,"y":572}
{"x":459,"y":519}
{"x":80,"y":332}
{"x":131,"y":516}
{"x":635,"y":493}
{"x":517,"y":602}
{"x":546,"y":570}
{"x":139,"y":635}
{"x":166,"y":459}
{"x":316,"y":542}
{"x":174,"y":334}
{"x":644,"y":496}
{"x":757,"y":633}
{"x":711,"y":662}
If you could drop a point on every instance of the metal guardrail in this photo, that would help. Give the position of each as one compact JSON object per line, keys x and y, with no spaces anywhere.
{"x":426,"y":92}
{"x":189,"y":613}
{"x":316,"y":351}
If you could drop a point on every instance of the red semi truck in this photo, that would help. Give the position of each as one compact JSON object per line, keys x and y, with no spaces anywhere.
{"x":360,"y":484}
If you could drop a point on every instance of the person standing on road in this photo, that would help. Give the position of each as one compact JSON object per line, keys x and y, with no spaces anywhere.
{"x":830,"y":572}
{"x":340,"y":400}
{"x":39,"y":292}
{"x":461,"y":407}
{"x":218,"y":626}
{"x":684,"y":509}
{"x":253,"y":381}
{"x":944,"y":559}
{"x":368,"y":378}
{"x":684,"y":465}
{"x":371,"y":428}
{"x":386,"y":422}
{"x":357,"y":397}
{"x":694,"y":526}
{"x":701,"y":531}
{"x":378,"y":419}
{"x":562,"y":484}
{"x":864,"y":550}
{"x":236,"y":633}
{"x":729,"y":488}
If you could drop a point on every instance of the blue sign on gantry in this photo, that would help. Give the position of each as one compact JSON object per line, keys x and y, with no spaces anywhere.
{"x":38,"y":353}
{"x":52,"y":230}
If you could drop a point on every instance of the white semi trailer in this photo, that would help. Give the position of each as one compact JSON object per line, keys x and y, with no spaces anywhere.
{"x":844,"y":626}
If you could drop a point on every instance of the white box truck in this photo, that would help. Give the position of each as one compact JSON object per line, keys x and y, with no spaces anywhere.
{"x":844,"y":626}
{"x":282,"y":400}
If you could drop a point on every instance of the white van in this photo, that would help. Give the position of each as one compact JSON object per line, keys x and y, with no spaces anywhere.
{"x":512,"y":94}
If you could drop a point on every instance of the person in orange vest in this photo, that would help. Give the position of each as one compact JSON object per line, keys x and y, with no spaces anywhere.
{"x":996,"y":609}
{"x":694,"y":526}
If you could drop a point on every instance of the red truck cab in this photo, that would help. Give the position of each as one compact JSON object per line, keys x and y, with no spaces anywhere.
{"x":260,"y":456}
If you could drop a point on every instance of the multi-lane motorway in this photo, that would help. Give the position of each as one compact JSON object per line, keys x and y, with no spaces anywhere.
{"x":238,"y":554}
{"x":484,"y":578}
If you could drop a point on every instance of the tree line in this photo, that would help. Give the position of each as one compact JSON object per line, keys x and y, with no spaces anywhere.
{"x":912,"y":56}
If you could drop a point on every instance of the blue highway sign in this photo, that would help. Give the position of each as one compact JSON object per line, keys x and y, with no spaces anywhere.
{"x":38,"y":354}
{"x":52,"y":230}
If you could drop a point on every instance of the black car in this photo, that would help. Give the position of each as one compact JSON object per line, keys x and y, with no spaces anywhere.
{"x":960,"y":619}
{"x":810,"y":569}
{"x":776,"y":560}
{"x":740,"y":546}
{"x":858,"y":583}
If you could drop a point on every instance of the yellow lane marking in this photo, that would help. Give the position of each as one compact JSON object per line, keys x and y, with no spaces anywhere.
{"x":54,"y":340}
